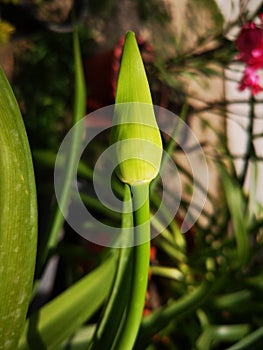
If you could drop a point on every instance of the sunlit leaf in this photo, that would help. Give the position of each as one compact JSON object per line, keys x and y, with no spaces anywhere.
{"x":18,"y":219}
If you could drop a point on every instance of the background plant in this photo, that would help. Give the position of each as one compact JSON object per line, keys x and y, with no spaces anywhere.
{"x":205,"y":289}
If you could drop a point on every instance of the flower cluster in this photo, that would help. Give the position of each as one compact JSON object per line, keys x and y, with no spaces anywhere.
{"x":250,"y":46}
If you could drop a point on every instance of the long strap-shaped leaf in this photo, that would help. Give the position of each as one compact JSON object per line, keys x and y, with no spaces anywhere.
{"x":51,"y":239}
{"x":58,"y":320}
{"x":18,"y":219}
{"x":236,"y":205}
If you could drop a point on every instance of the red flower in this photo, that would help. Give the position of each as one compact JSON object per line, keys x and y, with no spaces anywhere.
{"x":250,"y":46}
{"x":250,"y":80}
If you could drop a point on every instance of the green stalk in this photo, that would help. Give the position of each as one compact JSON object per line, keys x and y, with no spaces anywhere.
{"x":141,"y":258}
{"x":107,"y":328}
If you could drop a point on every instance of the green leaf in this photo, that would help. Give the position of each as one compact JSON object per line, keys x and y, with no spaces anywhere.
{"x":251,"y":341}
{"x":62,"y":317}
{"x":213,"y":335}
{"x":80,"y":340}
{"x":236,"y":204}
{"x":18,"y":219}
{"x":71,"y":163}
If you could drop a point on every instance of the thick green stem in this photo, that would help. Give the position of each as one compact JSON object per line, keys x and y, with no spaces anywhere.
{"x":141,"y":258}
{"x":107,"y":329}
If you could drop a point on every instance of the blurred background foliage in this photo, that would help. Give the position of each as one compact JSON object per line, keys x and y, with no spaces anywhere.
{"x":185,"y":47}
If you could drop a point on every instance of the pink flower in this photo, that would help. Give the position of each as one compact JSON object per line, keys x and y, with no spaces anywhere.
{"x":250,"y":46}
{"x":250,"y":80}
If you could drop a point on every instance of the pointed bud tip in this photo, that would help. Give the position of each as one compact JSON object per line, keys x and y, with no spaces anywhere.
{"x":135,"y":130}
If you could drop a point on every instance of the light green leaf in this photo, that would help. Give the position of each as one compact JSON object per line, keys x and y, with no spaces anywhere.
{"x":80,"y":340}
{"x":18,"y":219}
{"x":61,"y":318}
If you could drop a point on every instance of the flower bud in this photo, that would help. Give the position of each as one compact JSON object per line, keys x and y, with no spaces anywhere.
{"x":135,"y":133}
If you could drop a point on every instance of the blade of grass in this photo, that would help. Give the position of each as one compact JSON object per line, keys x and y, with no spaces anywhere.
{"x":252,"y":199}
{"x":51,"y":239}
{"x":236,"y":205}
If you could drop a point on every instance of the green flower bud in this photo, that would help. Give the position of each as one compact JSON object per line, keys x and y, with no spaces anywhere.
{"x":138,"y":147}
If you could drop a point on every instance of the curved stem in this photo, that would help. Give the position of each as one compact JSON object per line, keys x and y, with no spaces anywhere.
{"x":141,"y":258}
